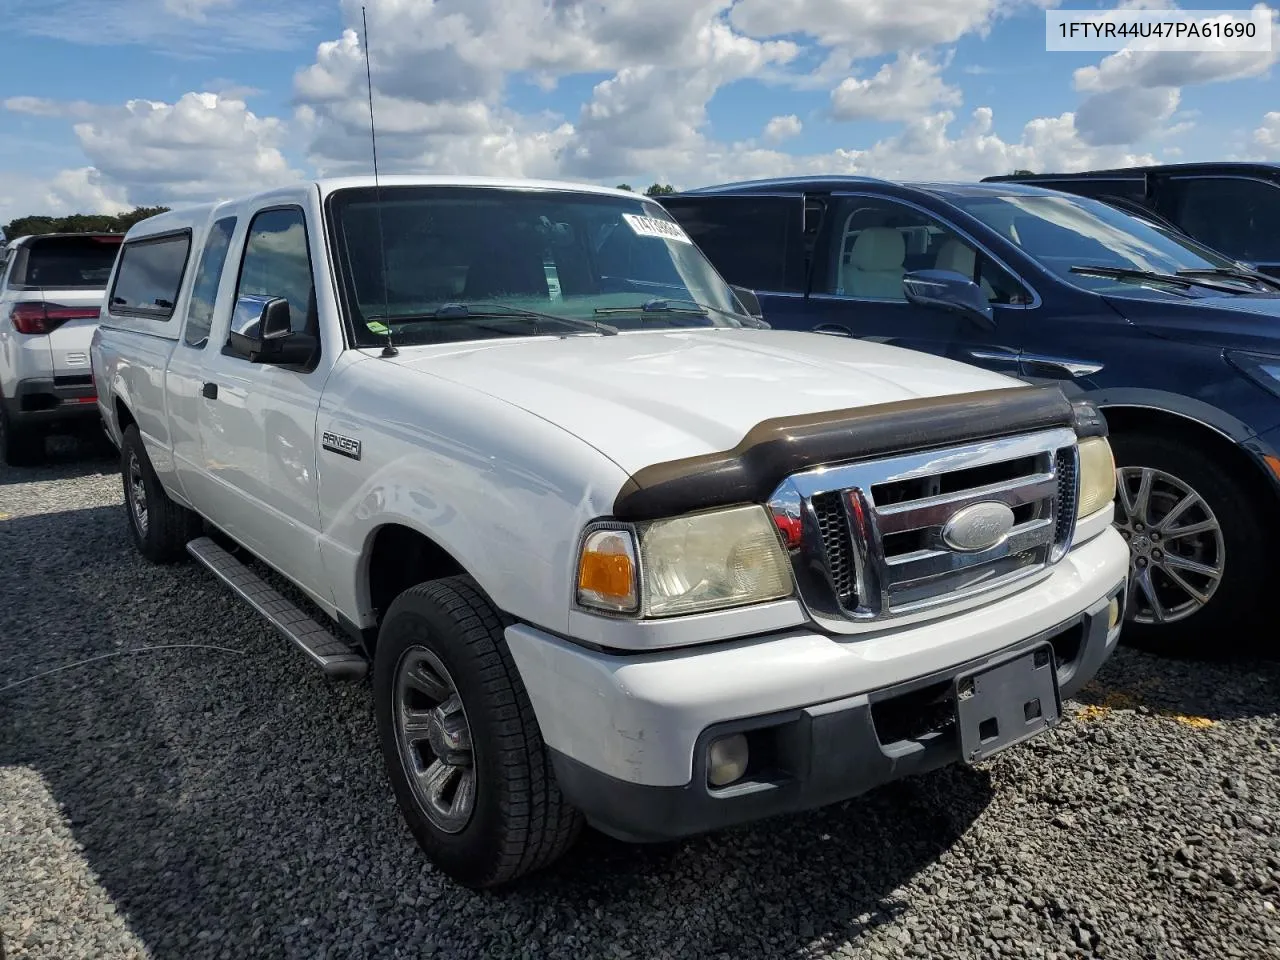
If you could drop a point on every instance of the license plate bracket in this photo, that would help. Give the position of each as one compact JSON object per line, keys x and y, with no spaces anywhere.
{"x":1007,"y":702}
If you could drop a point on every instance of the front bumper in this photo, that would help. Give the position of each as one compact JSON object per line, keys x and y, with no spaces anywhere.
{"x":54,"y":401}
{"x":835,"y":716}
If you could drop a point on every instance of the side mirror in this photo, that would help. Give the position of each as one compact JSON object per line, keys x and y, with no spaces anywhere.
{"x":950,"y":291}
{"x":751,"y":304}
{"x":261,"y":332}
{"x":749,"y":301}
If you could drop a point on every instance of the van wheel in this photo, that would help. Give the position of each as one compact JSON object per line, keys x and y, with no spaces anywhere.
{"x":20,"y":446}
{"x":461,"y":743}
{"x":1197,"y":547}
{"x":161,"y":528}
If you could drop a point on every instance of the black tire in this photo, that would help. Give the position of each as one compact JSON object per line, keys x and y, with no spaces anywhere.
{"x":1225,"y":623}
{"x":20,"y":446}
{"x":519,"y":821}
{"x":161,"y":532}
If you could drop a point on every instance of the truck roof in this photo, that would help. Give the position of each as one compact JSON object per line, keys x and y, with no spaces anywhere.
{"x":200,"y":213}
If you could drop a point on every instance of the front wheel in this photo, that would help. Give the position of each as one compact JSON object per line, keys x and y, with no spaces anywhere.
{"x":462,"y":746}
{"x":1197,"y":546}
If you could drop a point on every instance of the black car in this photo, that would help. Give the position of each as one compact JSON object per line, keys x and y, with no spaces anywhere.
{"x":1179,"y":345}
{"x":1232,"y":207}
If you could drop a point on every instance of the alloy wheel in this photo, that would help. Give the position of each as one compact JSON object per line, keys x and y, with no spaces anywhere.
{"x":1176,"y":549}
{"x":434,"y":740}
{"x":137,"y":494}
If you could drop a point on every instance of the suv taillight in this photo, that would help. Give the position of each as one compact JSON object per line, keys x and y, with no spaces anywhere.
{"x":46,"y":317}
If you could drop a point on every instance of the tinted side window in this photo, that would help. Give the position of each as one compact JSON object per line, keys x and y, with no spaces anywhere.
{"x":1236,"y":216}
{"x":277,"y":264}
{"x":875,"y":243}
{"x":205,"y":288}
{"x":755,"y":242}
{"x":149,"y":276}
{"x":1098,"y":188}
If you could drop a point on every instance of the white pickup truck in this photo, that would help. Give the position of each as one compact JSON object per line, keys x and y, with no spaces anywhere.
{"x":611,"y":550}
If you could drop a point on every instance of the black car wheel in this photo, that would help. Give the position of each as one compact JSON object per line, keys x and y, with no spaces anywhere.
{"x":462,"y":746}
{"x":1197,"y":546}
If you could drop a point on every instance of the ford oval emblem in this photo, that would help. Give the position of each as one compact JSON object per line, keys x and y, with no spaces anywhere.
{"x":979,"y":526}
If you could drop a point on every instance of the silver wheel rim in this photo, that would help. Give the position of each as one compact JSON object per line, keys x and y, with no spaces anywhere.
{"x":434,"y":740}
{"x":1176,"y":550}
{"x":137,"y":494}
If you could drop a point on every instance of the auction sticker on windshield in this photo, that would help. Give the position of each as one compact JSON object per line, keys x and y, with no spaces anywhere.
{"x":653,"y":227}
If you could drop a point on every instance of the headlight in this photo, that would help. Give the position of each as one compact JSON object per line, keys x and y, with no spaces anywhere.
{"x":1262,"y":369}
{"x":1097,"y":476}
{"x":692,"y":564}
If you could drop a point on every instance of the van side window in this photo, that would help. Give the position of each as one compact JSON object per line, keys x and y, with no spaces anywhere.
{"x":150,"y":276}
{"x":277,"y":263}
{"x":205,"y":288}
{"x":1235,"y":215}
{"x":875,"y":243}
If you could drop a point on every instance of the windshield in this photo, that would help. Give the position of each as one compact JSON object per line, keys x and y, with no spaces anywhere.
{"x":467,"y":263}
{"x":1062,"y":232}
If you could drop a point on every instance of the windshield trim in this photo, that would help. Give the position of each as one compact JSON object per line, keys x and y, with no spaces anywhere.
{"x":337,"y":273}
{"x":1018,"y":275}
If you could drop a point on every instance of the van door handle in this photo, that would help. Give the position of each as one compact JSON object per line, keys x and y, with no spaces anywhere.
{"x":833,"y":330}
{"x":996,"y":353}
{"x":1068,"y":365}
{"x":210,"y":391}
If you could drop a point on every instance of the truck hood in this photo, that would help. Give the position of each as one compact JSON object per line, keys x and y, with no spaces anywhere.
{"x":645,"y":398}
{"x":1217,"y":321}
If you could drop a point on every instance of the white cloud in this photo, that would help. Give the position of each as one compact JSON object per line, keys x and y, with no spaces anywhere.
{"x":909,"y":86}
{"x":80,"y":190}
{"x":867,"y":28}
{"x":1126,"y":115}
{"x":201,"y":147}
{"x":175,"y":28}
{"x":45,"y":107}
{"x":1267,"y":136}
{"x":782,"y":128}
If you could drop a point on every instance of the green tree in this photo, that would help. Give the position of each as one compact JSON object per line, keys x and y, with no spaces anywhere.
{"x":1024,"y":173}
{"x":79,"y":222}
{"x":659,"y":189}
{"x":625,"y":186}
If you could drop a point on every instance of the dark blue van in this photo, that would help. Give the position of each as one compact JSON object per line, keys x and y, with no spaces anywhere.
{"x":1179,"y":345}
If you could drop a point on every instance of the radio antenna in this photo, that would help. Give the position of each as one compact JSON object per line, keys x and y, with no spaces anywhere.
{"x":390,"y":349}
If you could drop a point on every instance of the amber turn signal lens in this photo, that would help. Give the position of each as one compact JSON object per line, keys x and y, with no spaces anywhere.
{"x":607,"y":571}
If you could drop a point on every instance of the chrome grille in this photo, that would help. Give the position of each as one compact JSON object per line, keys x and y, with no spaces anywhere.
{"x":833,"y":527}
{"x":872,"y":544}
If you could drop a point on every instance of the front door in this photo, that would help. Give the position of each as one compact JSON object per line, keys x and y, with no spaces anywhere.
{"x":258,"y":420}
{"x":868,"y":244}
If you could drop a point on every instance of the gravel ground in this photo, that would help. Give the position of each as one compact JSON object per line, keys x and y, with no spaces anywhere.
{"x":229,"y":803}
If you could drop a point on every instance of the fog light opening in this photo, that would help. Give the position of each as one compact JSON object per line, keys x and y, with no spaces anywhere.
{"x":726,"y":760}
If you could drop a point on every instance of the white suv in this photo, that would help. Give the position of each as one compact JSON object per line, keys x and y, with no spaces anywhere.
{"x":51,"y":290}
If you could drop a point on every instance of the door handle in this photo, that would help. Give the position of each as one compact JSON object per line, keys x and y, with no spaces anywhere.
{"x":1069,"y":366}
{"x":998,"y":353}
{"x":833,"y":330}
{"x":210,"y":391}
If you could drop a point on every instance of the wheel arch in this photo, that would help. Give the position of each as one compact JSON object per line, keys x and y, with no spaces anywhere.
{"x":1222,"y":435}
{"x":397,"y":556}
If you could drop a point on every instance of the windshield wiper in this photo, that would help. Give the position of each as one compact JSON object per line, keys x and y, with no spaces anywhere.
{"x":681,"y":306}
{"x":498,"y":311}
{"x":1128,"y":273}
{"x":1229,"y":273}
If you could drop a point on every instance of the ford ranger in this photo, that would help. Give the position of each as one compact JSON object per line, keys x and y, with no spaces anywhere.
{"x":610,"y":550}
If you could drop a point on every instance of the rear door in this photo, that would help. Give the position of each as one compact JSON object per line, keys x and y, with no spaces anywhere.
{"x":755,"y":241}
